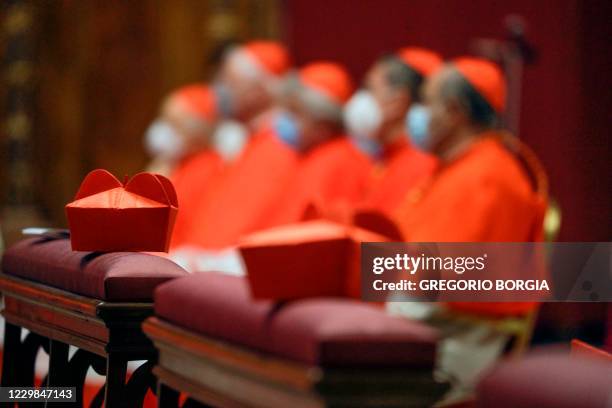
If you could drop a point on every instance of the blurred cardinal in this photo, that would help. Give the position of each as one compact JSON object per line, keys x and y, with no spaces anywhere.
{"x":375,"y":118}
{"x":481,"y":191}
{"x":181,"y":138}
{"x":331,"y":170}
{"x":246,"y":86}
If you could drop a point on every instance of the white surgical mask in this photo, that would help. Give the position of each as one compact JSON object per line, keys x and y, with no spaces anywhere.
{"x":362,"y":115}
{"x":229,"y":139}
{"x":363,"y":118}
{"x":162,"y":141}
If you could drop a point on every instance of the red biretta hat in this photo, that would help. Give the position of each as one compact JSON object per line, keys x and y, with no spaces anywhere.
{"x":270,"y":55}
{"x":107,"y":215}
{"x":486,"y":78}
{"x":199,"y":99}
{"x":422,"y":60}
{"x":308,"y":259}
{"x":328,"y":78}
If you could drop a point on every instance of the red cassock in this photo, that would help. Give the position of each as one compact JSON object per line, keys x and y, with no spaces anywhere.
{"x":402,"y":167}
{"x":193,"y":180}
{"x":244,"y":193}
{"x":334,"y":173}
{"x":482,"y":196}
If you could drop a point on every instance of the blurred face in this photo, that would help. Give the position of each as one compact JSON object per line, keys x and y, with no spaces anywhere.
{"x":192,"y":131}
{"x":393,"y":102}
{"x":312,"y":131}
{"x":445,"y":116}
{"x":245,"y":84}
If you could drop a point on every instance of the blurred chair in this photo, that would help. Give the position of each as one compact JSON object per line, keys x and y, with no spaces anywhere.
{"x":484,"y":341}
{"x":520,"y":328}
{"x":552,"y":220}
{"x":505,"y":330}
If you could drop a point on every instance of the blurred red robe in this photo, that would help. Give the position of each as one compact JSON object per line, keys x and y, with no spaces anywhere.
{"x":245,"y":192}
{"x":402,"y":167}
{"x":193,"y":179}
{"x":482,"y":196}
{"x":332,"y":173}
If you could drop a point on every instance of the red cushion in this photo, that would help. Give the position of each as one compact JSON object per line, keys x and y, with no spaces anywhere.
{"x":114,"y":276}
{"x":322,"y":331}
{"x":547,"y":381}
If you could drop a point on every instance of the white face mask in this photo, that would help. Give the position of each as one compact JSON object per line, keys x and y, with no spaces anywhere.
{"x":362,"y":115}
{"x":229,"y":139}
{"x":162,"y":141}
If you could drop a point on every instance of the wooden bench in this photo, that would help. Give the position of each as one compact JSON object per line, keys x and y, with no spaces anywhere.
{"x":82,"y":299}
{"x":223,"y":349}
{"x":222,"y":375}
{"x":107,"y":335}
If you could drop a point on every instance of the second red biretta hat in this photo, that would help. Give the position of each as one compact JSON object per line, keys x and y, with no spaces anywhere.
{"x":199,"y":99}
{"x":328,"y":78}
{"x":270,"y":55}
{"x":422,"y":60}
{"x":486,"y":77}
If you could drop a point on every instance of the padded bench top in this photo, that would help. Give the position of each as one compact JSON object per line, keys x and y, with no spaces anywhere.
{"x":114,"y":276}
{"x":320,"y":331}
{"x":547,"y":381}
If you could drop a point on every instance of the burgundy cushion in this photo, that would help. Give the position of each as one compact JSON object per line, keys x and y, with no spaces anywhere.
{"x":114,"y":276}
{"x":548,"y":381}
{"x":323,"y":331}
